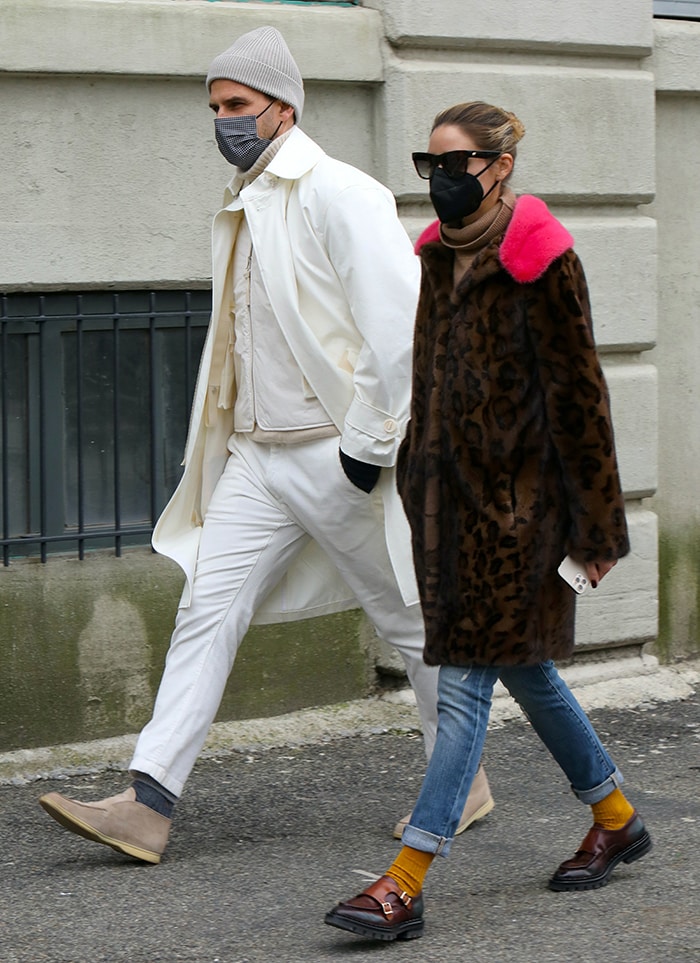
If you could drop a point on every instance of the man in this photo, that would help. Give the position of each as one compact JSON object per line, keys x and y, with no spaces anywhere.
{"x":299,"y":409}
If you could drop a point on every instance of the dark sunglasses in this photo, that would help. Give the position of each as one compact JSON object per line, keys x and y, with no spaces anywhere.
{"x":454,"y":162}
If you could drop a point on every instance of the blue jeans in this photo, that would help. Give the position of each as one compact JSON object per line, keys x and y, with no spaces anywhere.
{"x":464,"y":704}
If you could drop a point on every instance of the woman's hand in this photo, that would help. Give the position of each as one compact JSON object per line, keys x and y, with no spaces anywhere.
{"x":598,"y":570}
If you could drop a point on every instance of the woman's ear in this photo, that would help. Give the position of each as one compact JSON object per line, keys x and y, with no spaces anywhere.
{"x":504,"y":165}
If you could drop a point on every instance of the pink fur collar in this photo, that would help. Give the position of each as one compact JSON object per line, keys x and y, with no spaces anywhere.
{"x":533,"y":239}
{"x":428,"y":235}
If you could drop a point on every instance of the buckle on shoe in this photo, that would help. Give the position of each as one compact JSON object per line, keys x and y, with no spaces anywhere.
{"x":387,"y":908}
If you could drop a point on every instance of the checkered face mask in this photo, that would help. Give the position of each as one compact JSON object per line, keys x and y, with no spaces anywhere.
{"x":238,"y":139}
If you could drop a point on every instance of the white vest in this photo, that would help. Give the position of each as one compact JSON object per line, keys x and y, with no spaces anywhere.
{"x":271,"y":391}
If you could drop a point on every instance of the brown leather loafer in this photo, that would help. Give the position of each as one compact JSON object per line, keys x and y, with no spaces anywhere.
{"x":381,"y":912}
{"x":600,"y":852}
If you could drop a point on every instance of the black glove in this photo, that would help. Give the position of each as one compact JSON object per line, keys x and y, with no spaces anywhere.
{"x":363,"y":475}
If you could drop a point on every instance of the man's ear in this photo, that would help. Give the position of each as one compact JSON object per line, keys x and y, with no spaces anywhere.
{"x":286,"y":111}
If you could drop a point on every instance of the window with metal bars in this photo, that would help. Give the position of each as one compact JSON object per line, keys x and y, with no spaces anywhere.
{"x":95,"y":390}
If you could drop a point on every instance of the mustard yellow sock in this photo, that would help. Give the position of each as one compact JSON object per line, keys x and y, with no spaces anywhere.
{"x":613,"y":811}
{"x":409,"y":869}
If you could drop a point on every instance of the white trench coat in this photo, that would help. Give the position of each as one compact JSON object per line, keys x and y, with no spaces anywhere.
{"x":342,"y":279}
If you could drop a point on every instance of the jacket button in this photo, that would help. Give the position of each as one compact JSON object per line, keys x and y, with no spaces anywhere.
{"x":390,"y":425}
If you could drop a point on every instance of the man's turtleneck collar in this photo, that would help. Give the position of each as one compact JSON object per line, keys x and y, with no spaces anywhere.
{"x":261,"y":163}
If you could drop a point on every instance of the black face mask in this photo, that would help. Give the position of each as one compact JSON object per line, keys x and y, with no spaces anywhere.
{"x":455,"y":198}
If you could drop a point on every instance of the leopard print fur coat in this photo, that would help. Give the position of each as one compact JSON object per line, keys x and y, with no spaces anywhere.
{"x":509,"y":460}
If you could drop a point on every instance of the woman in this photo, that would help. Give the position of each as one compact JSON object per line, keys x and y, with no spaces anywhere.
{"x":508,"y":466}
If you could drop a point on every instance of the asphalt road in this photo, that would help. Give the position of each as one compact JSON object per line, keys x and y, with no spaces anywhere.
{"x":265,"y":842}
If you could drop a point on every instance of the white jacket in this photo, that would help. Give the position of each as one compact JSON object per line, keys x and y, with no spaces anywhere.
{"x":342,"y":279}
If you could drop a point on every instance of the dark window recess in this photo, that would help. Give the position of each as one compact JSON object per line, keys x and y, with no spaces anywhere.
{"x":677,"y":9}
{"x":95,"y":391}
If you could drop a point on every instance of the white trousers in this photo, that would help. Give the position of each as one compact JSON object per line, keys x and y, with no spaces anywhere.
{"x":270,"y":500}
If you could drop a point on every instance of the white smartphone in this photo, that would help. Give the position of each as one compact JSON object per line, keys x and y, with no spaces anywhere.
{"x":574,"y":575}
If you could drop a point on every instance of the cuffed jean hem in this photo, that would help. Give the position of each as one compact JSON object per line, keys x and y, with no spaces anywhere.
{"x":426,"y":842}
{"x":594,"y":795}
{"x":439,"y":845}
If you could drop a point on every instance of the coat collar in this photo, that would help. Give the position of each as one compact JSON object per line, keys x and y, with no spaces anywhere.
{"x":533,"y":239}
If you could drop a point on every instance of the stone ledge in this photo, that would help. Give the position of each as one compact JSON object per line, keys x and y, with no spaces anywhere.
{"x":152,"y":38}
{"x":621,"y":28}
{"x":624,"y":683}
{"x":675,"y":60}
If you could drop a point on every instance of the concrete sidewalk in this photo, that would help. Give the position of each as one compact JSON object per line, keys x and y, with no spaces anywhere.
{"x":282,"y":818}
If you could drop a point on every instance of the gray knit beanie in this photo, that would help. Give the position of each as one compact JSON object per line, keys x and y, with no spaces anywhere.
{"x":261,"y":59}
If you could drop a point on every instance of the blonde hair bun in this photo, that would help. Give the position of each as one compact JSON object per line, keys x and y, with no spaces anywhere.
{"x":492,"y":128}
{"x":517,"y":126}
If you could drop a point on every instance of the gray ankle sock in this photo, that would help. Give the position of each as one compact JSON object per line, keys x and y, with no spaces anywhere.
{"x":154,"y":798}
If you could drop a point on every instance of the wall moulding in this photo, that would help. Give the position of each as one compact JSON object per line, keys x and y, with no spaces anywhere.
{"x":178,"y":39}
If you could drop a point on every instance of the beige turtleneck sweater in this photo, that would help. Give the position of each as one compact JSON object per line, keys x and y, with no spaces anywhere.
{"x":468,"y":240}
{"x":265,"y":158}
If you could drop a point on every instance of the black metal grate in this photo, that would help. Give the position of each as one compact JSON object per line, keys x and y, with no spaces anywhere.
{"x":95,"y":390}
